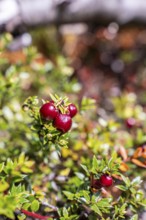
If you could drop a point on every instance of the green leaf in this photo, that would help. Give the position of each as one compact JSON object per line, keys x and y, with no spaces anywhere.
{"x":121,"y":187}
{"x":139,"y":135}
{"x":8,"y":213}
{"x":25,"y":169}
{"x":88,"y":103}
{"x":96,"y":209}
{"x":7,"y":206}
{"x":26,"y":205}
{"x":9,"y":166}
{"x":134,"y":217}
{"x":85,"y":169}
{"x":54,"y":98}
{"x":104,"y":203}
{"x":95,"y":165}
{"x":3,"y":186}
{"x":112,"y":159}
{"x":35,"y":205}
{"x":21,"y":158}
{"x":136,"y":181}
{"x":122,"y":209}
{"x":69,"y":195}
{"x":16,"y":189}
{"x":65,"y":212}
{"x":1,"y":167}
{"x":126,"y":180}
{"x":86,"y":196}
{"x":80,"y":175}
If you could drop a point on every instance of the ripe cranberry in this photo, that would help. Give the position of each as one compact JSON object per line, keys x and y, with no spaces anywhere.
{"x":130,"y":122}
{"x":48,"y":111}
{"x":63,"y":122}
{"x":106,"y":180}
{"x":72,"y":110}
{"x":96,"y":184}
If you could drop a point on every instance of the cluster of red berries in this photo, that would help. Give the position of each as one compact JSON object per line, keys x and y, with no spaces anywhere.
{"x":61,"y":121}
{"x":104,"y":181}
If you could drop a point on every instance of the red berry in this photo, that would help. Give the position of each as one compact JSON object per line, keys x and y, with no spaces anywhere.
{"x":96,"y":184}
{"x":63,"y":122}
{"x":130,"y":122}
{"x":106,"y":180}
{"x":72,"y":110}
{"x":48,"y":111}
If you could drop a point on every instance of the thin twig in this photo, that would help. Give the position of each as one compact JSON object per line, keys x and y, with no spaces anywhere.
{"x":35,"y":215}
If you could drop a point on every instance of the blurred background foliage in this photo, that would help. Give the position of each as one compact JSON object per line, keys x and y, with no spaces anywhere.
{"x":102,"y":71}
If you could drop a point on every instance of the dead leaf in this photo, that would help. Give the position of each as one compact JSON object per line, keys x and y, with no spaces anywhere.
{"x":123,"y":152}
{"x":138,"y":152}
{"x":105,"y":193}
{"x":144,"y":152}
{"x":14,"y":57}
{"x":124,"y":167}
{"x":138,"y":163}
